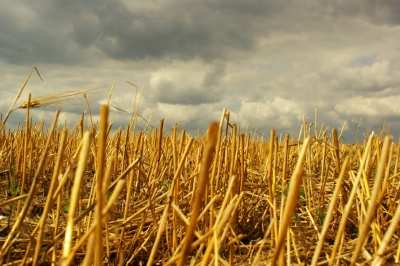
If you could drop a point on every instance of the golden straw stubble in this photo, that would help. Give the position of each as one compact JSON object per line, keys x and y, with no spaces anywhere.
{"x":212,"y":137}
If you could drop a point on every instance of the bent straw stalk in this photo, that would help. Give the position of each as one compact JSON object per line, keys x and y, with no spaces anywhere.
{"x":3,"y":124}
{"x":75,"y":194}
{"x":372,"y":202}
{"x":32,"y":192}
{"x":348,"y":206}
{"x":293,"y":193}
{"x":58,"y":97}
{"x":49,"y":201}
{"x":379,"y":260}
{"x":105,"y":212}
{"x":203,"y":177}
{"x":329,"y":213}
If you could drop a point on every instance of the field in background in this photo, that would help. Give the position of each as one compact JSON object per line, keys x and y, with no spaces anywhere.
{"x":90,"y":196}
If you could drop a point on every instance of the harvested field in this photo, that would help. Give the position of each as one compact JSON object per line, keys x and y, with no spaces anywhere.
{"x":87,"y":196}
{"x":167,"y":197}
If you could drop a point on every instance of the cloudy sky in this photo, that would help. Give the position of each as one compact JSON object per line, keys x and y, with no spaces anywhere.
{"x":268,"y":62}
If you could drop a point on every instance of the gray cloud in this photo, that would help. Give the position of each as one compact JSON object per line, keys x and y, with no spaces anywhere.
{"x":379,"y":12}
{"x":187,"y":90}
{"x":54,"y":31}
{"x":215,"y":74}
{"x":61,"y":32}
{"x":166,"y":91}
{"x":368,"y":78}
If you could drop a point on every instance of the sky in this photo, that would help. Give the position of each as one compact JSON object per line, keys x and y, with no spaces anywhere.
{"x":269,"y":63}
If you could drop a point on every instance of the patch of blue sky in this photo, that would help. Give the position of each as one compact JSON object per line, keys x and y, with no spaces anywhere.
{"x":228,"y":93}
{"x":363,"y":61}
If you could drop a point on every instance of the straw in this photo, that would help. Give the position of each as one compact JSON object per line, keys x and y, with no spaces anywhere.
{"x":372,"y":202}
{"x":203,"y":177}
{"x":3,"y":124}
{"x":291,"y":203}
{"x":75,"y":194}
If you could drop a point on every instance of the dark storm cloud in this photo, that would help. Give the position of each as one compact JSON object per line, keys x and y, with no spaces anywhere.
{"x":59,"y":32}
{"x":178,"y":30}
{"x":62,"y":31}
{"x":378,"y":12}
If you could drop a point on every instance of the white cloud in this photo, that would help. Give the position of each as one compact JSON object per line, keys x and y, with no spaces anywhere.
{"x":374,"y":108}
{"x":375,"y":77}
{"x":277,"y":113}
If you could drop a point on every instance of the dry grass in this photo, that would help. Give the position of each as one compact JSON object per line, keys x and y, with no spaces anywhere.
{"x":87,"y":196}
{"x":57,"y":98}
